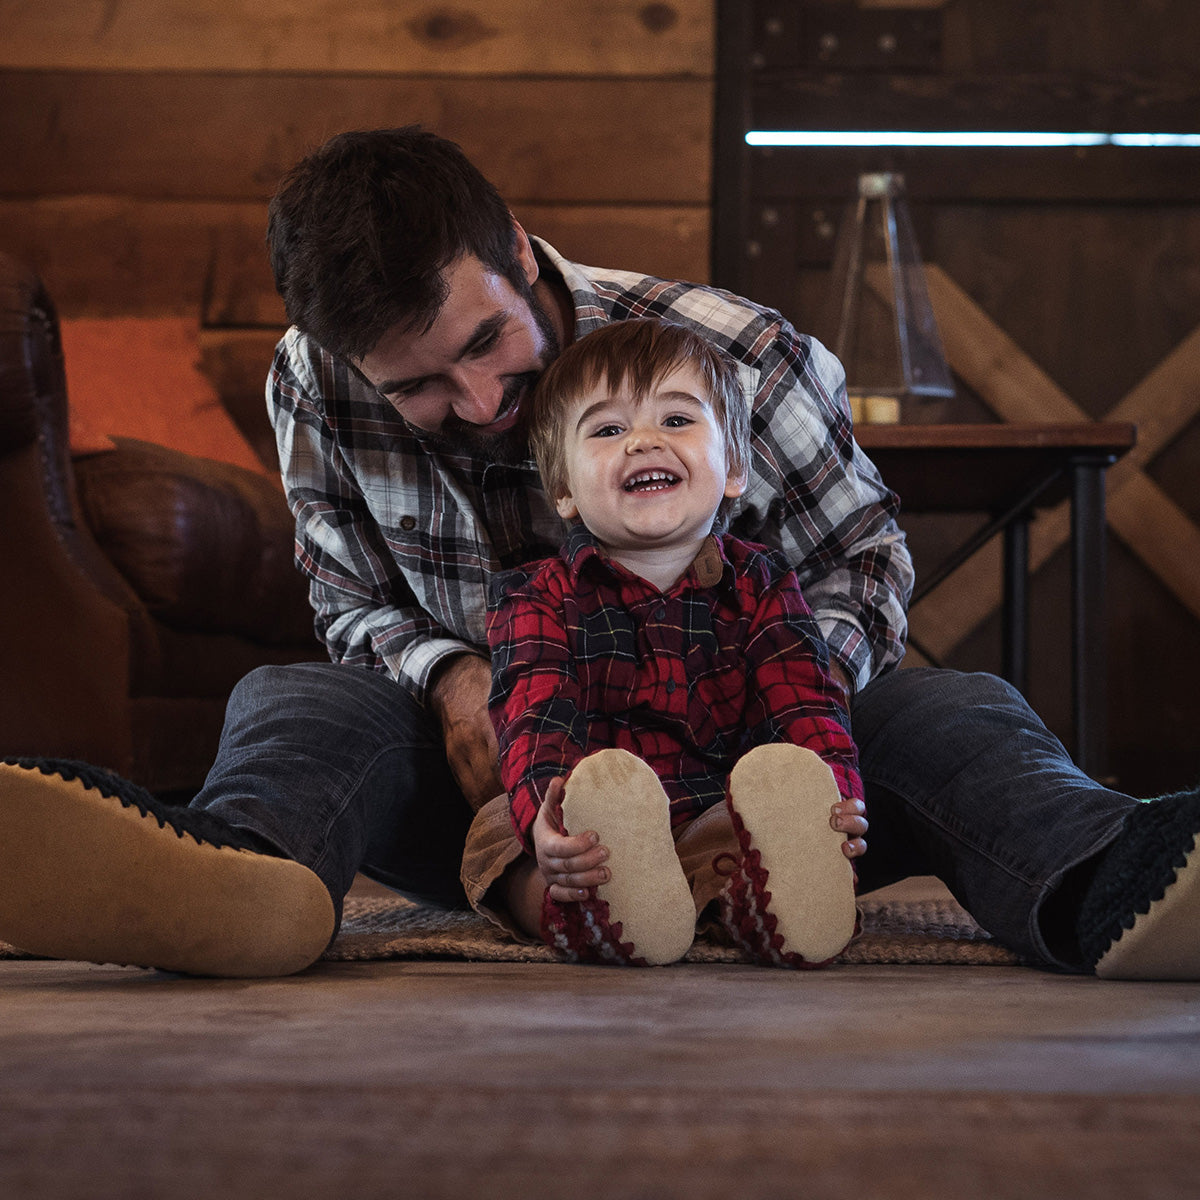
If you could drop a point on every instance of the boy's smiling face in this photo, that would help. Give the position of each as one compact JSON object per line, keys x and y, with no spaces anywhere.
{"x":647,"y":474}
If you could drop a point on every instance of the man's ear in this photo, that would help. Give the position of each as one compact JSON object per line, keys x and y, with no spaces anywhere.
{"x":525,"y":255}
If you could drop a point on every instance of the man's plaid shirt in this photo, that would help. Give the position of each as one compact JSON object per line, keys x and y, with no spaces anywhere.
{"x":586,"y":655}
{"x":399,"y":540}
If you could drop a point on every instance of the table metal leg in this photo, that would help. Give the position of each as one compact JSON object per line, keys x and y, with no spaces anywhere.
{"x":1088,"y":625}
{"x":1015,"y":634}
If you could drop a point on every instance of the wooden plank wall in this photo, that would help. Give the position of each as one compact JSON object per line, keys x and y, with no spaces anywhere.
{"x":140,"y":140}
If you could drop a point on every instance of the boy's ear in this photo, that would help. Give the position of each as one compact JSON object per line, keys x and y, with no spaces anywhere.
{"x":566,"y":507}
{"x":735,"y":484}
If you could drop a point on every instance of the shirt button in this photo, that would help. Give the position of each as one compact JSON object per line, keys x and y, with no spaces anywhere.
{"x":670,"y":686}
{"x":408,"y":524}
{"x":660,"y":614}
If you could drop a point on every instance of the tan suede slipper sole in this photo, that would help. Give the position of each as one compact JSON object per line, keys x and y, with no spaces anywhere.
{"x":85,"y":876}
{"x":620,"y":797}
{"x":782,"y":795}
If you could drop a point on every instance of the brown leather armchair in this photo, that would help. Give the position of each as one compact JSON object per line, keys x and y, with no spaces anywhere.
{"x":136,"y":585}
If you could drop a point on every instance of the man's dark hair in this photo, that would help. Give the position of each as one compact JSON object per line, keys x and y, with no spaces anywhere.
{"x":361,"y":230}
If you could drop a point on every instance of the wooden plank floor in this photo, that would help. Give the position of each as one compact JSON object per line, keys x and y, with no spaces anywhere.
{"x":439,"y":1079}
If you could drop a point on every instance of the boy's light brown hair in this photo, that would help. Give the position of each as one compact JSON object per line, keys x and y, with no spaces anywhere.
{"x":636,"y":353}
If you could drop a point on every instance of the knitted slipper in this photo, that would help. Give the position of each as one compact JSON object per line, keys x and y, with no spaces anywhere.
{"x":1140,"y":917}
{"x":94,"y":869}
{"x":645,"y":914}
{"x":790,"y":896}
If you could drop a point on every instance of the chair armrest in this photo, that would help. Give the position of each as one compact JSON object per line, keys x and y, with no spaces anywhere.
{"x":33,"y":391}
{"x":207,"y":546}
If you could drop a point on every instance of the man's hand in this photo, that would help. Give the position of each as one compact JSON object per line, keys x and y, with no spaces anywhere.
{"x":570,"y":865}
{"x":459,"y":698}
{"x":838,"y":674}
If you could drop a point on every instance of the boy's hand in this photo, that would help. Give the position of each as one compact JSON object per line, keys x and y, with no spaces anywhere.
{"x":570,"y":865}
{"x":849,"y":817}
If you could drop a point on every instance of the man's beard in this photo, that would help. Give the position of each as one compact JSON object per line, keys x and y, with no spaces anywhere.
{"x":510,"y":448}
{"x":507,"y":449}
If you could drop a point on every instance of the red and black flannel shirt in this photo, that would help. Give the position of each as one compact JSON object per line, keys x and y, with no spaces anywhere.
{"x":586,"y":655}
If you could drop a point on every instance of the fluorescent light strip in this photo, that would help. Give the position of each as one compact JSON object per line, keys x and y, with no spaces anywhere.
{"x":1155,"y":139}
{"x":816,"y":137}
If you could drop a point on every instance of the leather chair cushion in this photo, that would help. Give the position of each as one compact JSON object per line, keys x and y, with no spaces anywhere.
{"x":207,"y":546}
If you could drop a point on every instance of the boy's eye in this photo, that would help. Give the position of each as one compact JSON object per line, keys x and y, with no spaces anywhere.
{"x":677,"y":421}
{"x":609,"y":430}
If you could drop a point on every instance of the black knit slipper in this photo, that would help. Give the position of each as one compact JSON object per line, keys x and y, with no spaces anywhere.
{"x":93,"y":868}
{"x":1140,"y":916}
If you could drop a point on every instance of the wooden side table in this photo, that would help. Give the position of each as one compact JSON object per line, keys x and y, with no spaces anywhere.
{"x":1008,"y":472}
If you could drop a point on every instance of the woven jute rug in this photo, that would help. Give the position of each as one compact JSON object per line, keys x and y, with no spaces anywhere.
{"x":893,"y":931}
{"x":930,"y":931}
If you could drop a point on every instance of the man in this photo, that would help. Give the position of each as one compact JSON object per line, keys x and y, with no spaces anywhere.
{"x":421,"y":313}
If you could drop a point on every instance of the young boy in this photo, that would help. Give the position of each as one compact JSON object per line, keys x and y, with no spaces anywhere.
{"x":674,"y":678}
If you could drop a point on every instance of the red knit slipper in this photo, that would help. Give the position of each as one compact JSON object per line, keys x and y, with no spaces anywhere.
{"x":583,"y":932}
{"x":645,"y":914}
{"x":789,"y":901}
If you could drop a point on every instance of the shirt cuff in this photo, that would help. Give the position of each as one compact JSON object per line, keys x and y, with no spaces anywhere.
{"x":414,"y":666}
{"x":848,"y":646}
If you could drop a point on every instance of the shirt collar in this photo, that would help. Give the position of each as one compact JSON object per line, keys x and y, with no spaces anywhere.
{"x":590,"y":310}
{"x":708,"y":568}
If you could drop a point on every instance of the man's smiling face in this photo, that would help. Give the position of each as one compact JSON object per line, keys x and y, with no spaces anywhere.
{"x":462,"y":380}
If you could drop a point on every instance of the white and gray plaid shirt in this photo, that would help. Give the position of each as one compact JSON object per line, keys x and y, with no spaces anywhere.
{"x":398,"y":540}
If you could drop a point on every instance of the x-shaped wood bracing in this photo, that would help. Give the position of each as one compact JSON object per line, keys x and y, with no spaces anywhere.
{"x":1142,"y":515}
